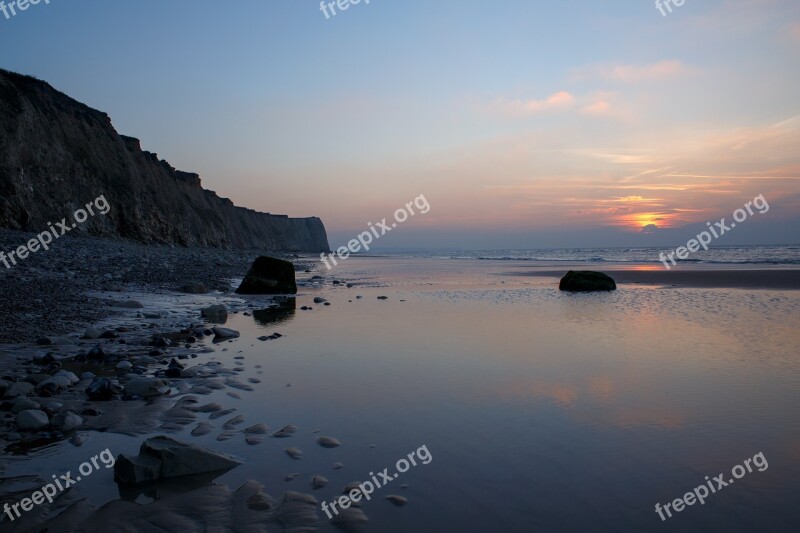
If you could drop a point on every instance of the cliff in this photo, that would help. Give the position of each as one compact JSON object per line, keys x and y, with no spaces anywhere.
{"x":57,"y":155}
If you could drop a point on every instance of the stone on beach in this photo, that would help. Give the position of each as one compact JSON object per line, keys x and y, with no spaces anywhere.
{"x":269,"y":276}
{"x":294,"y":453}
{"x":328,"y":442}
{"x":399,"y":501}
{"x":32,"y":420}
{"x":233,"y":422}
{"x":318,"y":482}
{"x":163,"y":458}
{"x":101,"y":389}
{"x":284,"y":432}
{"x":20,"y":388}
{"x":203,"y":428}
{"x":586,"y":281}
{"x":22,"y":403}
{"x":214,"y":311}
{"x":258,"y":429}
{"x":147,"y":387}
{"x":67,"y":421}
{"x":224,"y":333}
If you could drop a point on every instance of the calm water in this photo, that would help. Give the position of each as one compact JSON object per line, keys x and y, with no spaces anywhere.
{"x":542,"y":411}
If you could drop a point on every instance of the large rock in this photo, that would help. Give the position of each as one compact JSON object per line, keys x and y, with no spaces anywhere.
{"x":162,"y":457}
{"x":32,"y":420}
{"x":269,"y":276}
{"x":586,"y":281}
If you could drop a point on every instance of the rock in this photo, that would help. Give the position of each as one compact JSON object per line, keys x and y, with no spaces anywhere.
{"x":124,"y":365}
{"x":338,"y":466}
{"x":4,"y":385}
{"x":19,"y":388}
{"x":214,"y":311}
{"x":53,"y":385}
{"x":96,"y":354}
{"x":294,"y":453}
{"x":147,"y":387}
{"x":91,"y":334}
{"x":399,"y":501}
{"x":160,"y":342}
{"x":224,"y":333}
{"x":258,"y":429}
{"x":233,"y":422}
{"x":164,"y":458}
{"x":43,"y":341}
{"x":67,"y":421}
{"x":67,"y":374}
{"x":383,"y":297}
{"x":173,"y":373}
{"x":268,"y":275}
{"x":317,"y":482}
{"x":319,"y":300}
{"x":586,"y":281}
{"x":87,"y":375}
{"x":21,"y":403}
{"x":32,"y":420}
{"x":203,"y":428}
{"x":253,"y":440}
{"x":101,"y":390}
{"x":284,"y":432}
{"x":194,"y":287}
{"x":351,"y":519}
{"x":328,"y":442}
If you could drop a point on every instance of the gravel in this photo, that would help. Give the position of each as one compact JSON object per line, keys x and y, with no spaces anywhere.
{"x":46,"y":293}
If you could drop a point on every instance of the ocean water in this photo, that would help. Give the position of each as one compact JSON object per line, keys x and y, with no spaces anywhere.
{"x":539,"y":410}
{"x":716,"y":255}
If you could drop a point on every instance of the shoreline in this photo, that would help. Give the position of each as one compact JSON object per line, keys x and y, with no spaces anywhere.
{"x":751,"y":279}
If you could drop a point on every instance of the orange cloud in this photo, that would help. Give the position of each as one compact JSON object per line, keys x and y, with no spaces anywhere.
{"x":559,"y":100}
{"x":659,"y":71}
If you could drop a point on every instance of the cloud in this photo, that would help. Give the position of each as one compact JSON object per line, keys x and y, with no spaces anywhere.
{"x":559,"y":100}
{"x":659,"y":71}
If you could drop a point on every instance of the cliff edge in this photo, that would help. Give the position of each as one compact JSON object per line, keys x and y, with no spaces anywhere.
{"x":57,"y":155}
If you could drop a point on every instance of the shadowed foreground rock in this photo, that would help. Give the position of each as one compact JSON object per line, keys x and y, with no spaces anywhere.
{"x":269,"y":276}
{"x":163,"y":458}
{"x":586,"y":281}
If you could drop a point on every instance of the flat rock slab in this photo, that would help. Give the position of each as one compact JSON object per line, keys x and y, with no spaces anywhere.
{"x":163,"y":458}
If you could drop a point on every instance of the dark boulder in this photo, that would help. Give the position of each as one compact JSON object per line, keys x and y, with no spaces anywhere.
{"x":269,"y":276}
{"x":163,"y":458}
{"x":586,"y":281}
{"x":101,"y":390}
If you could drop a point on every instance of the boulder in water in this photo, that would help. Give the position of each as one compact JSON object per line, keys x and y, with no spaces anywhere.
{"x":586,"y":281}
{"x":269,"y":276}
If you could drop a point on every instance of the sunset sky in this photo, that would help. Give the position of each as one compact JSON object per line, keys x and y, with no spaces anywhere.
{"x":524,"y":123}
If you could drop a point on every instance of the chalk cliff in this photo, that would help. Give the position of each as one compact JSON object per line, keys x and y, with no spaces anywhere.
{"x":57,"y":155}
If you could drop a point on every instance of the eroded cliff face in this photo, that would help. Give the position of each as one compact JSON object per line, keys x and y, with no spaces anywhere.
{"x":57,"y":155}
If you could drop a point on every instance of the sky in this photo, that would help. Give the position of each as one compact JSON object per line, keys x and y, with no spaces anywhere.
{"x":524,"y":123}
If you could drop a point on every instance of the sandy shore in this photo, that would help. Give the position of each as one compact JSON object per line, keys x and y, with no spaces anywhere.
{"x":731,"y":279}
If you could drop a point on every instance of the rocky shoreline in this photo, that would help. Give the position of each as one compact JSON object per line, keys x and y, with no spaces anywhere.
{"x":51,"y":292}
{"x":104,"y":336}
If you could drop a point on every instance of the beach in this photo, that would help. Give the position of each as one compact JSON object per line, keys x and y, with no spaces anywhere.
{"x":532,"y":402}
